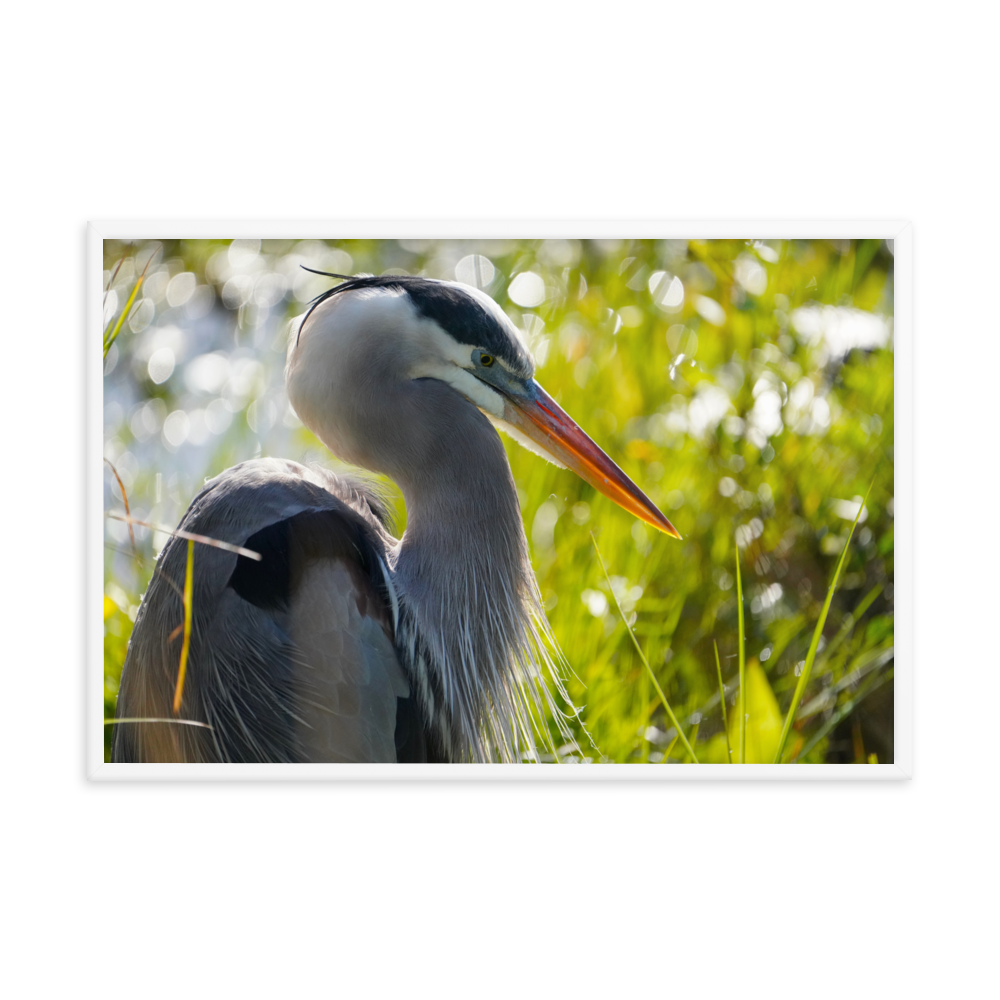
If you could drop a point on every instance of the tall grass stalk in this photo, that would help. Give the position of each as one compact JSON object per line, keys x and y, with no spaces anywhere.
{"x":189,"y":535}
{"x":693,"y":737}
{"x":642,"y":656}
{"x":800,"y":687}
{"x":128,"y":512}
{"x":722,"y":702}
{"x":175,"y":722}
{"x":186,"y":646}
{"x":109,"y":338}
{"x":111,"y":279}
{"x":743,"y":663}
{"x":851,"y":620}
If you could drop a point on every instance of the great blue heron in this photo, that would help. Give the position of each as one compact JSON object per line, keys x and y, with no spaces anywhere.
{"x":344,"y":644}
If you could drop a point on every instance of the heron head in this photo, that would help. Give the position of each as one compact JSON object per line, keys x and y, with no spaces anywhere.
{"x":420,"y":328}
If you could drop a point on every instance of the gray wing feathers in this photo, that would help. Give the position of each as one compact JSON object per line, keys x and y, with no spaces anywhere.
{"x":311,"y":677}
{"x":347,"y":675}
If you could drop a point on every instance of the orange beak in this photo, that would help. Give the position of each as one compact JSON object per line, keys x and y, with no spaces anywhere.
{"x":539,"y":417}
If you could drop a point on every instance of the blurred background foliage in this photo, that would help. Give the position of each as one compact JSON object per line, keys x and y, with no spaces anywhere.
{"x":746,"y":386}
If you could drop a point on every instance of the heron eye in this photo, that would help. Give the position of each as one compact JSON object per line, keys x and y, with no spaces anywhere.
{"x":485,"y":360}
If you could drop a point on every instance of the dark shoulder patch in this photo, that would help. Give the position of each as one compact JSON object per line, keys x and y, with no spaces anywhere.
{"x":265,"y":583}
{"x":288,"y":546}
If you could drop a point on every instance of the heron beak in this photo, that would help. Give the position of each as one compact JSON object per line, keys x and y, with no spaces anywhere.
{"x":539,"y":417}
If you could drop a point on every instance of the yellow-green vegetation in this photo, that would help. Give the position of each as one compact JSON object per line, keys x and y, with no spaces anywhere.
{"x":746,"y":386}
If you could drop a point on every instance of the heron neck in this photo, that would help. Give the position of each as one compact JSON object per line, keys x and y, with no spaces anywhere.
{"x":463,"y":517}
{"x":461,"y":502}
{"x":465,"y":584}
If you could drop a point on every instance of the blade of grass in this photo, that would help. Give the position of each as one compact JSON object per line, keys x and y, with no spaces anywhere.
{"x":121,"y":486}
{"x":743,"y":663}
{"x":782,"y":635}
{"x":693,"y":736}
{"x":670,"y":749}
{"x":111,"y":280}
{"x":190,"y":536}
{"x":722,"y":702}
{"x":123,"y":552}
{"x":851,"y":621}
{"x":109,"y":340}
{"x":188,"y":602}
{"x":817,"y":635}
{"x":872,"y":683}
{"x":175,"y":722}
{"x":642,"y":656}
{"x":862,"y":666}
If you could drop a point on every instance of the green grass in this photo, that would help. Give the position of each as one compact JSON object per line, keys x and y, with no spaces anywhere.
{"x":642,"y":381}
{"x":741,"y":645}
{"x":645,"y":662}
{"x":806,"y":674}
{"x":722,"y":704}
{"x":114,"y":326}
